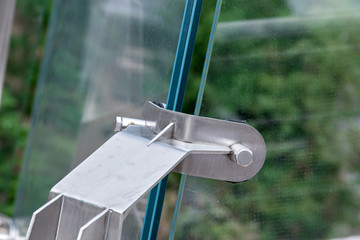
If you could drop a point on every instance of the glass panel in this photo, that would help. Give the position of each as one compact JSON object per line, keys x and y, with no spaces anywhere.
{"x":291,"y":69}
{"x":7,"y":136}
{"x":6,"y":17}
{"x":24,"y":50}
{"x":102,"y":59}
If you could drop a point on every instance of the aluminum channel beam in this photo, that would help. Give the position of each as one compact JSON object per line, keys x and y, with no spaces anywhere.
{"x":97,"y":195}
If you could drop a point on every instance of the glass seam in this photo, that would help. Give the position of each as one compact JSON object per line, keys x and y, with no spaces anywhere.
{"x":197,"y":110}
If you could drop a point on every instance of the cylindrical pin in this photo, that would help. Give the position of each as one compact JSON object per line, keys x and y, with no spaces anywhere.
{"x":120,"y":123}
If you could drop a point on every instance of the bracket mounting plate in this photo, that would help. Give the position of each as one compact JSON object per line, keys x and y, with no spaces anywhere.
{"x":195,"y":129}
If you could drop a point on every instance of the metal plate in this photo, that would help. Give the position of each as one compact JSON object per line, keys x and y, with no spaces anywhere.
{"x":195,"y":129}
{"x":121,"y":171}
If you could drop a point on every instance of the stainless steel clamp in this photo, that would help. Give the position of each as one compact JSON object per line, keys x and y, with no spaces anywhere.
{"x":92,"y":201}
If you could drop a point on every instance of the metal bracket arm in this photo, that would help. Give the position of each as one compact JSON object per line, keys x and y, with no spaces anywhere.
{"x":93,"y":200}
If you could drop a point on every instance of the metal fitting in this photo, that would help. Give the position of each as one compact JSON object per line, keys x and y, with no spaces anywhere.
{"x":241,"y":155}
{"x":120,"y":123}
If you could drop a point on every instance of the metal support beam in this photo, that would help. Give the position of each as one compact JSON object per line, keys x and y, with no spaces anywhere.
{"x":93,"y":200}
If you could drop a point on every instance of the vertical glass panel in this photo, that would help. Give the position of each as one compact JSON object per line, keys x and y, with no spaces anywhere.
{"x":103,"y":58}
{"x":25,"y":22}
{"x":292,"y":70}
{"x":7,"y":137}
{"x":6,"y":17}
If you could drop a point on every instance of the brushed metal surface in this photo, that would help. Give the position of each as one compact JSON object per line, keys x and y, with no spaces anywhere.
{"x":44,"y":221}
{"x":107,"y":225}
{"x":113,"y":178}
{"x":195,"y":129}
{"x":74,"y":214}
{"x":120,"y":171}
{"x":96,"y":228}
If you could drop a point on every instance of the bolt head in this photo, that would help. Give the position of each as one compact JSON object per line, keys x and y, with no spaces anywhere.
{"x":241,"y":155}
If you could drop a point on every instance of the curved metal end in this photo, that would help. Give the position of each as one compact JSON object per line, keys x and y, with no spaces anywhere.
{"x":242,"y":163}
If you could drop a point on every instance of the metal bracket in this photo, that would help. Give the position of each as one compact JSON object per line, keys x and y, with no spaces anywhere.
{"x":92,"y":201}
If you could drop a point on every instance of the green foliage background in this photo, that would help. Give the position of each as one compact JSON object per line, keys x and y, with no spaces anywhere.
{"x":301,"y":91}
{"x":25,"y":54}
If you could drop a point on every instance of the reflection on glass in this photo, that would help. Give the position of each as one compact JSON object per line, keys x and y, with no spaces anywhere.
{"x":292,"y":70}
{"x":133,"y":222}
{"x":103,"y":58}
{"x":6,"y":18}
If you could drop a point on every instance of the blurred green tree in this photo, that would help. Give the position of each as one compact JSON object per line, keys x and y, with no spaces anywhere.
{"x":300,"y":89}
{"x":25,"y":54}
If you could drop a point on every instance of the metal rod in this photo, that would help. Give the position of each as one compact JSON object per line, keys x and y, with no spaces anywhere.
{"x":166,"y":129}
